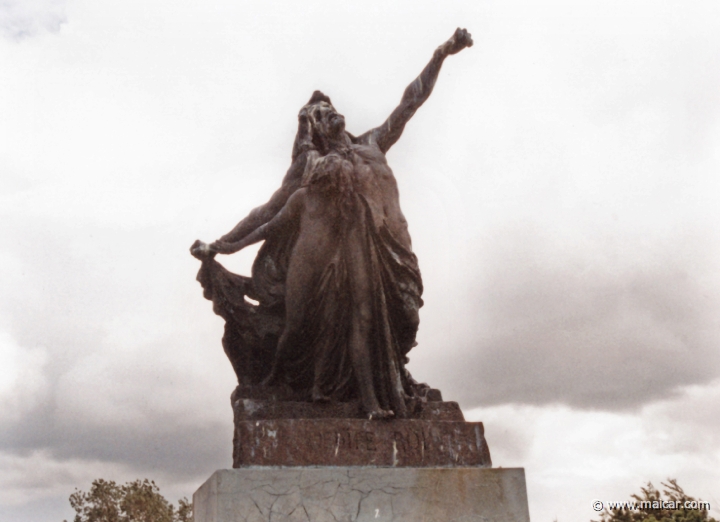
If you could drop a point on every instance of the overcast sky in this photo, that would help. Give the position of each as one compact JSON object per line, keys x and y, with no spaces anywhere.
{"x":561,"y":186}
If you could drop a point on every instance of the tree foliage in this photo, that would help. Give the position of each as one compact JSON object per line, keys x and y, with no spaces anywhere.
{"x":138,"y":501}
{"x":666,"y":506}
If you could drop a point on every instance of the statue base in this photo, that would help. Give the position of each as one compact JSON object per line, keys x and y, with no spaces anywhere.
{"x":363,"y":494}
{"x":354,"y":442}
{"x":270,"y":432}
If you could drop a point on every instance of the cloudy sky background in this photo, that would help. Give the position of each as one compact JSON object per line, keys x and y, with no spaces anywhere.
{"x":561,"y":186}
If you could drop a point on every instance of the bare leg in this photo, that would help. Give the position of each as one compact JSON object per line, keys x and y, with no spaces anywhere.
{"x":299,"y":287}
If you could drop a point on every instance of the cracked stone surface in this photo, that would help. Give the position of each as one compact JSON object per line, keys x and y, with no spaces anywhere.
{"x":357,"y":494}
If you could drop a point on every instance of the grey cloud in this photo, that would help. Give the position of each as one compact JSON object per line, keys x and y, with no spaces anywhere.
{"x":693,"y":420}
{"x":21,"y":19}
{"x":598,"y":333}
{"x":49,"y":509}
{"x":68,"y":302}
{"x":167,"y":446}
{"x":184,"y":442}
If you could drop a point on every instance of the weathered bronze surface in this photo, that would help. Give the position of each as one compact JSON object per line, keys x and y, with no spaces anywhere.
{"x":253,"y":409}
{"x":353,"y":442}
{"x":337,"y":286}
{"x":319,"y":336}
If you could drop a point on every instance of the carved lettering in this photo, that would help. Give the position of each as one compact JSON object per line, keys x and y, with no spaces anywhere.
{"x":399,"y":444}
{"x":410,"y":441}
{"x":344,"y":440}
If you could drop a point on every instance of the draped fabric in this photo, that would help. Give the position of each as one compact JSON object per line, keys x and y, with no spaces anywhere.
{"x":322,"y":357}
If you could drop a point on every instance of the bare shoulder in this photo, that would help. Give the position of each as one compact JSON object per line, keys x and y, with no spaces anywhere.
{"x":370,"y":152}
{"x":298,"y":197}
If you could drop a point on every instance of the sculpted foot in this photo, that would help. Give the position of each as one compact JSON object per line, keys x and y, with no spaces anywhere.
{"x":317,"y":395}
{"x":380,"y":414}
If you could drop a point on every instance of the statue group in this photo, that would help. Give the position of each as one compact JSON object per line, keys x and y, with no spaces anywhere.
{"x":328,"y":423}
{"x":330,"y":312}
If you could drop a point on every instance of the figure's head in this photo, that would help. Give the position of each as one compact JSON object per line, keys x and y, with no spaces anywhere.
{"x":318,"y":124}
{"x":325,"y":119}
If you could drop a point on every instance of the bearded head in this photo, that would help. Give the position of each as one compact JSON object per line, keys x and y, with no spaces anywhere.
{"x":318,"y":124}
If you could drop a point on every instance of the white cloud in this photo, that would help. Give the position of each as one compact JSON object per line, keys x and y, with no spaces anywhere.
{"x":609,"y":326}
{"x":573,"y":457}
{"x":23,"y":384}
{"x":24,"y":18}
{"x":37,"y":475}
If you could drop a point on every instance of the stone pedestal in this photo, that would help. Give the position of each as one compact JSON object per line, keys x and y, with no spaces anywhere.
{"x":285,"y":433}
{"x":354,"y":442}
{"x":299,"y":461}
{"x":363,"y":494}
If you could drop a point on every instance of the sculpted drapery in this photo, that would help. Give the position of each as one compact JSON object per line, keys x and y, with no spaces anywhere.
{"x":336,"y":283}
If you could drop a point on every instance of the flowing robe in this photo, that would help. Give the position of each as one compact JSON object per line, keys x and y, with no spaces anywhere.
{"x":322,"y":357}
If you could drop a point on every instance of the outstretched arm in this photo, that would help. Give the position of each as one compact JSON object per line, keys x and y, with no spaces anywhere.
{"x":416,"y":93}
{"x":264,"y":213}
{"x":287,"y":215}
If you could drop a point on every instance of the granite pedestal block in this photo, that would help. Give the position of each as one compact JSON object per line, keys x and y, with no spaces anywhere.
{"x":354,"y":442}
{"x":271,"y":432}
{"x":360,"y":494}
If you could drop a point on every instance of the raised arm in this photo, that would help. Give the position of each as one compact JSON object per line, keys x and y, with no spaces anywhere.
{"x":416,"y":93}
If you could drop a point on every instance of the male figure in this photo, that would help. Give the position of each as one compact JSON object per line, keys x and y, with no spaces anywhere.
{"x":322,"y":125}
{"x":383,"y":316}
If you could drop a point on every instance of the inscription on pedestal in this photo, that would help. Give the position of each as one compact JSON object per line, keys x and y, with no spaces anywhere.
{"x":349,"y":442}
{"x":345,"y":440}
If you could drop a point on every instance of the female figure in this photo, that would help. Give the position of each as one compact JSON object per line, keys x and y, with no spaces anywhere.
{"x":337,"y":261}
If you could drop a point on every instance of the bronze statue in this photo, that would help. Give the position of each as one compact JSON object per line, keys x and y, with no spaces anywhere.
{"x":337,"y":284}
